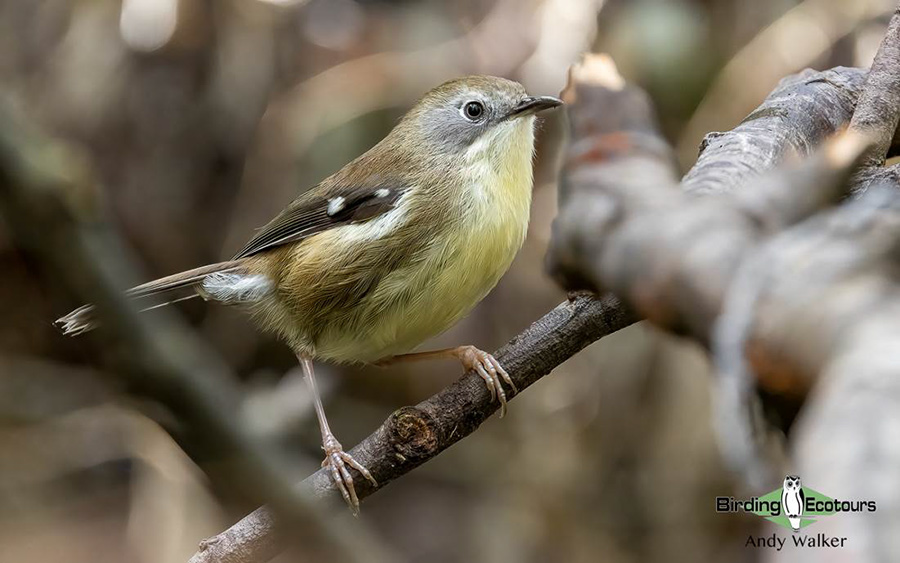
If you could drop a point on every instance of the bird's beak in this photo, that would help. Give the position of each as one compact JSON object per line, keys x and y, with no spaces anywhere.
{"x":533,"y":104}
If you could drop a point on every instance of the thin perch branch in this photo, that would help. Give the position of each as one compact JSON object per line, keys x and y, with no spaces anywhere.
{"x":413,"y":435}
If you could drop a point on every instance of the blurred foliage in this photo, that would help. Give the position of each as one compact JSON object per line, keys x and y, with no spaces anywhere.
{"x":202,"y":118}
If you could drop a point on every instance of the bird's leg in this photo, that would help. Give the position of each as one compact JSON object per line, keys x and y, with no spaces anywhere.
{"x":335,"y":456}
{"x":484,"y":364}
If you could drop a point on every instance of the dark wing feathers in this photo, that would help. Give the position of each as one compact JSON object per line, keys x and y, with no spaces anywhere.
{"x":313,"y":213}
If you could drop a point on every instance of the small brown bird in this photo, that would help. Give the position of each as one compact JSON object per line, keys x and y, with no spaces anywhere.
{"x":393,"y":249}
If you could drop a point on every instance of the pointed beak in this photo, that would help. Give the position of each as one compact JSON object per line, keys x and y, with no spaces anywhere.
{"x":533,"y":104}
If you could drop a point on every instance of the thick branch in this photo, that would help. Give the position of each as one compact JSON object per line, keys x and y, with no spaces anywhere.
{"x":796,"y":117}
{"x":624,"y":228}
{"x":822,"y":306}
{"x":820,"y":300}
{"x":878,"y":110}
{"x":826,"y":308}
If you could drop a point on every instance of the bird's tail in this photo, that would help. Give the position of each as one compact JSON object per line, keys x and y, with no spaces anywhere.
{"x":84,"y":318}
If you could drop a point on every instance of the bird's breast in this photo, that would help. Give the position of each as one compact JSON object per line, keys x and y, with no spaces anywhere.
{"x":464,"y":259}
{"x":457,"y":269}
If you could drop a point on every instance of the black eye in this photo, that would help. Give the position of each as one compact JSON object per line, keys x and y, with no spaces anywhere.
{"x":473,"y":111}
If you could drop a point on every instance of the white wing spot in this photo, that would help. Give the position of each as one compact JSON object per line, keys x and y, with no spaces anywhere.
{"x":335,"y":205}
{"x":382,"y":192}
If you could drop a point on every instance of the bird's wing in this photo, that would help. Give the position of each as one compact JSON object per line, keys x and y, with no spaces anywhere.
{"x":319,"y":210}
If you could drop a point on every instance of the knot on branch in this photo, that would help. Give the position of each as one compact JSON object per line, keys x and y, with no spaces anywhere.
{"x":708,"y":139}
{"x":413,"y":433}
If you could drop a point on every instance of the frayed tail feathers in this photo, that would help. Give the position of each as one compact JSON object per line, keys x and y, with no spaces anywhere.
{"x":227,"y":282}
{"x":78,"y":321}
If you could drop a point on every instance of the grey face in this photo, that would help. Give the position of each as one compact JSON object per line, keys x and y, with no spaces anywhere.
{"x":457,"y":113}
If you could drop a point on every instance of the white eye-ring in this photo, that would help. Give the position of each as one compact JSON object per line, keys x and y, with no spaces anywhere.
{"x":473,"y":110}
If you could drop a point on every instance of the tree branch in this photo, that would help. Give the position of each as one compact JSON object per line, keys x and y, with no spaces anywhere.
{"x":624,"y":227}
{"x":878,"y":110}
{"x":819,"y":320}
{"x":804,"y":110}
{"x":413,"y":435}
{"x":824,"y":311}
{"x":803,"y":300}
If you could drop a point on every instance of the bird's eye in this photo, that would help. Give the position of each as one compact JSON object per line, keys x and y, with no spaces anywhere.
{"x":473,"y":111}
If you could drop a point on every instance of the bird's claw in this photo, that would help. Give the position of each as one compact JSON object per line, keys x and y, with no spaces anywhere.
{"x":490,"y":370}
{"x":338,"y":460}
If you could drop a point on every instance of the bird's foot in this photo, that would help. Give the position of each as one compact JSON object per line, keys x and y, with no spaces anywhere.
{"x":490,"y":370}
{"x":484,"y":364}
{"x":338,"y":460}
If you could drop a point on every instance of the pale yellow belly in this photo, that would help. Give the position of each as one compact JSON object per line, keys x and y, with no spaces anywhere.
{"x":426,"y":298}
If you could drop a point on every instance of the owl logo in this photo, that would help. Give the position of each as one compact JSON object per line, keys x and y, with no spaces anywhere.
{"x":792,"y":500}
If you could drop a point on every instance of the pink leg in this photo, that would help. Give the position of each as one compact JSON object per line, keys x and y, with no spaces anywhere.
{"x":484,"y":364}
{"x":335,"y":456}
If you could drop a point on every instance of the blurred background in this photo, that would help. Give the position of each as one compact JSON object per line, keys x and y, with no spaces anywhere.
{"x":201,"y":119}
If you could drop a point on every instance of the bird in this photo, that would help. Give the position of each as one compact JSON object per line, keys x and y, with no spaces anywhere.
{"x":792,"y":500}
{"x":394,"y":248}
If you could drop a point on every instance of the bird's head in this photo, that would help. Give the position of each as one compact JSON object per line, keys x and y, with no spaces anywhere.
{"x":475,"y":115}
